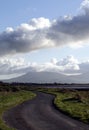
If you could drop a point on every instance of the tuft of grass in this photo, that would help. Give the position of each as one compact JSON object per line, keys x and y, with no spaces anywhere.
{"x":75,"y":107}
{"x":11,"y":99}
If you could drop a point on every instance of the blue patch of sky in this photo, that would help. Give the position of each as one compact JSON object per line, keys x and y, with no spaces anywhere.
{"x":15,"y":12}
{"x":45,"y":55}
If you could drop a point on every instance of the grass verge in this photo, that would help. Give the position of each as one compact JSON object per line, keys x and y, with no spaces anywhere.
{"x":11,"y":99}
{"x":72,"y":102}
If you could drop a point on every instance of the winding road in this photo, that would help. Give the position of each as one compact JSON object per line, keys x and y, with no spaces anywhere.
{"x":40,"y":114}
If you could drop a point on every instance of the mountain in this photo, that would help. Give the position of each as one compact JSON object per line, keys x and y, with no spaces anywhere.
{"x":40,"y":77}
{"x":50,"y":77}
{"x":83,"y":78}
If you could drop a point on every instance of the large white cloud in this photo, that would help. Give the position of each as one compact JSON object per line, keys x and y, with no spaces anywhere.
{"x":68,"y":66}
{"x":42,"y":33}
{"x":25,"y":38}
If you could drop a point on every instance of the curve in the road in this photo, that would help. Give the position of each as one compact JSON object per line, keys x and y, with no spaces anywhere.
{"x":40,"y":114}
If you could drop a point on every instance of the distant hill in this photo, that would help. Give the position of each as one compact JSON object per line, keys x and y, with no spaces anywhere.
{"x":83,"y":78}
{"x":50,"y":77}
{"x":40,"y":77}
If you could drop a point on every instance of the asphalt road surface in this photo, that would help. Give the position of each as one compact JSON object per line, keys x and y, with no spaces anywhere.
{"x":40,"y":114}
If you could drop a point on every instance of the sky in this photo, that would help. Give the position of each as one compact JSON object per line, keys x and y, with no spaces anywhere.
{"x":13,"y":13}
{"x":50,"y":35}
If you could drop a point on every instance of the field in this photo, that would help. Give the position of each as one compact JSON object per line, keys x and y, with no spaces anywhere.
{"x":74,"y":103}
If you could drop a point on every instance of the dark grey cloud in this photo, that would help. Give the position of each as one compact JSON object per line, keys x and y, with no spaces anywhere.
{"x":74,"y":29}
{"x":42,"y":33}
